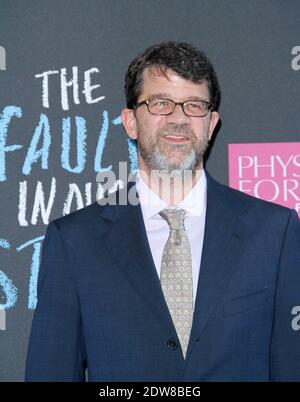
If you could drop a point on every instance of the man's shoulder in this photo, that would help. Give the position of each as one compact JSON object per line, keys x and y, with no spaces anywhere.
{"x":238,"y":199}
{"x":79,"y":220}
{"x":93,"y":217}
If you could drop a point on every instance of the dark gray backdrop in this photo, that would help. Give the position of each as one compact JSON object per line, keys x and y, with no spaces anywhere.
{"x":249,"y":42}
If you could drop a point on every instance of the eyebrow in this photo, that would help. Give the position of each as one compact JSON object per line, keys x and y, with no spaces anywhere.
{"x":168,"y":96}
{"x":158,"y":96}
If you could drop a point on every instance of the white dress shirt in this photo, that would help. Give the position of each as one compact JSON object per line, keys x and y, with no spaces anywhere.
{"x":158,"y":229}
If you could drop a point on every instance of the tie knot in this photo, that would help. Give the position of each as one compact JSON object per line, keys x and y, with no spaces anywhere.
{"x":174,"y":217}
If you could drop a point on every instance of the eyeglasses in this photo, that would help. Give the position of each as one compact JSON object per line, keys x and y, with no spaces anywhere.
{"x":163,"y":107}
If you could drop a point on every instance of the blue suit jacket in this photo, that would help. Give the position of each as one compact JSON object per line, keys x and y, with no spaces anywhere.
{"x":101,"y":306}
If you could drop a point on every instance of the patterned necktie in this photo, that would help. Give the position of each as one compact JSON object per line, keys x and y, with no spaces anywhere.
{"x":176,"y":275}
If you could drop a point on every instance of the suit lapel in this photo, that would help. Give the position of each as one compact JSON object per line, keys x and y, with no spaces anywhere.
{"x":128,"y":245}
{"x":221,"y":248}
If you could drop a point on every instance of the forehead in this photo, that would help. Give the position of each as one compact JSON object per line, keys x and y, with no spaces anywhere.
{"x":171,"y":84}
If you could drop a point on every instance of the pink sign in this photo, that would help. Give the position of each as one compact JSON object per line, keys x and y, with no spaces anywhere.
{"x":269,"y":171}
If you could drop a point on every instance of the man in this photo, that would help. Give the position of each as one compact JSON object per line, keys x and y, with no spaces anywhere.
{"x":198,"y":282}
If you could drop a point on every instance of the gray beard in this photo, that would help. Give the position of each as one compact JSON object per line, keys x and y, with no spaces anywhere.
{"x":156,"y":161}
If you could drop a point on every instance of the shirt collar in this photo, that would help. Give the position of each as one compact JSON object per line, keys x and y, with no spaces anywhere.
{"x":194,"y":203}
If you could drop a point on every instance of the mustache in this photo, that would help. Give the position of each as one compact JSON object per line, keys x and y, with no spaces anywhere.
{"x":176,"y":129}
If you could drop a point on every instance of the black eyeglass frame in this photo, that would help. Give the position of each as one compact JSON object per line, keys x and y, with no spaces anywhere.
{"x":182,"y":104}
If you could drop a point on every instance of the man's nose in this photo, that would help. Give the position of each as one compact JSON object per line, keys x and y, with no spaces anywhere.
{"x":178,"y":116}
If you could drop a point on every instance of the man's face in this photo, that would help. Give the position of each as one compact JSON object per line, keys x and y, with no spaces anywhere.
{"x":175,"y":141}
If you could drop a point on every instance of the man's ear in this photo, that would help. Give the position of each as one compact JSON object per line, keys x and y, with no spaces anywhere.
{"x":129,"y":123}
{"x":214,"y":118}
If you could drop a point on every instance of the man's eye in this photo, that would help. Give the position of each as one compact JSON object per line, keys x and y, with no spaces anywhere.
{"x":195,"y":106}
{"x":161,"y":103}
